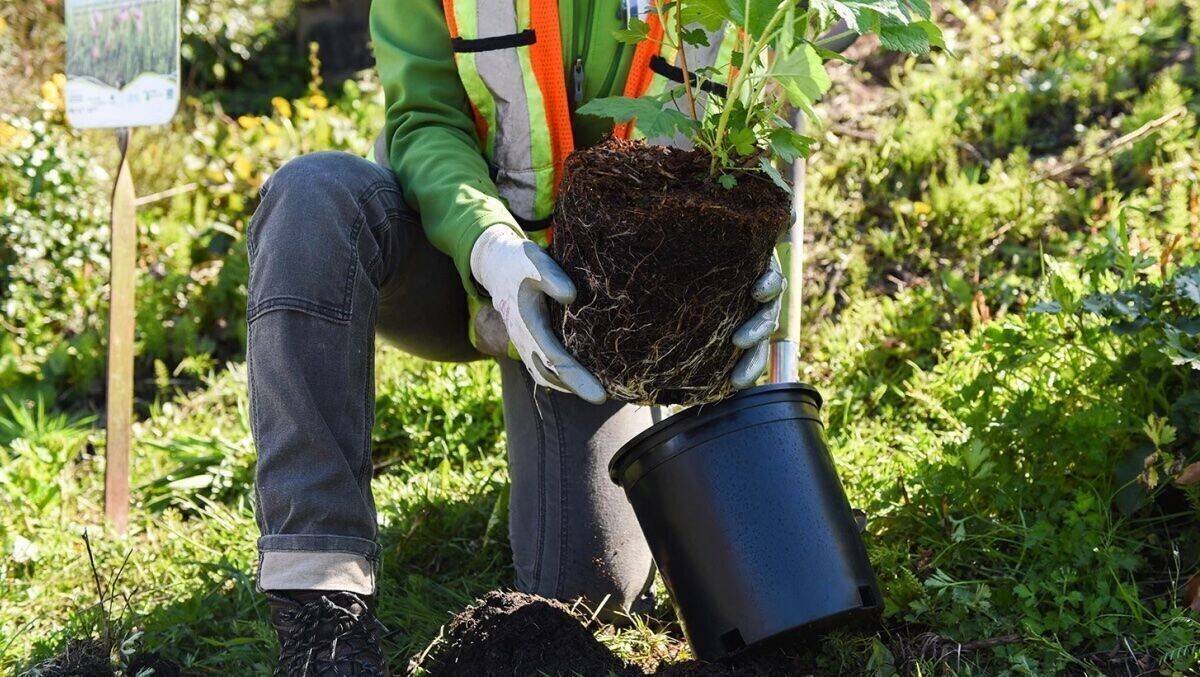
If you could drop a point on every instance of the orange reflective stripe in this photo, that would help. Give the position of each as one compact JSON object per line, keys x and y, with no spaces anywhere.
{"x":545,"y":56}
{"x":451,"y":22}
{"x":640,"y":74}
{"x":481,"y":126}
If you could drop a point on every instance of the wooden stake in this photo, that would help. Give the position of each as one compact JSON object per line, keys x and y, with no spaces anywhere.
{"x":122,"y":261}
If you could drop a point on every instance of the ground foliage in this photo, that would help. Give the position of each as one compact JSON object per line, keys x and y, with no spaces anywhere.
{"x":1000,"y":312}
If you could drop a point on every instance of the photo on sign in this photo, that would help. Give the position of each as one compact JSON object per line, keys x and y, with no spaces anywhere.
{"x":122,"y":62}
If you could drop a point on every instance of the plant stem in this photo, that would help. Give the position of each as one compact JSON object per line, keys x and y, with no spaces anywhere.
{"x":687,"y":76}
{"x":750,"y":53}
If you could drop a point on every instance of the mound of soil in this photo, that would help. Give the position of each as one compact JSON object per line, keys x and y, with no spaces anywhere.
{"x":664,"y":260}
{"x":80,"y":658}
{"x":90,"y":658}
{"x":511,"y":633}
{"x":148,"y":660}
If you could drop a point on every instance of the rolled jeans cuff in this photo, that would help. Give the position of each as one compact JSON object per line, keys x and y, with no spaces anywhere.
{"x":318,"y":562}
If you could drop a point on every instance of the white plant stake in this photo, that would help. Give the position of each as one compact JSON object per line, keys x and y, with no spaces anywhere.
{"x":122,"y":72}
{"x":785,"y":345}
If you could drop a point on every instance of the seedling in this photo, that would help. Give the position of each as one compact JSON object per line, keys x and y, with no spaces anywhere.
{"x":779,"y":60}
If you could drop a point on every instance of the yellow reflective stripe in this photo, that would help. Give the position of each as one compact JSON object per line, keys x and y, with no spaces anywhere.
{"x":467,"y":19}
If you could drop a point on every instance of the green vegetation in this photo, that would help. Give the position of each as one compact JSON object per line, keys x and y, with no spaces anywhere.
{"x":778,"y":60}
{"x":1001,"y":311}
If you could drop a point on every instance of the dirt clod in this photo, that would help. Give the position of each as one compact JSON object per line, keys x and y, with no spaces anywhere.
{"x":148,"y":662}
{"x":80,"y":658}
{"x":512,"y":633}
{"x":664,"y":259}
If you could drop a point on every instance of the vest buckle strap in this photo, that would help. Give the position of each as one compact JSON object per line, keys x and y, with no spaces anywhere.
{"x":496,"y":42}
{"x":662,"y":67}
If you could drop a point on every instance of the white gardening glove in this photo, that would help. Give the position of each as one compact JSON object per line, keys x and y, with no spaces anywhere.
{"x":519,"y":276}
{"x":754,"y":336}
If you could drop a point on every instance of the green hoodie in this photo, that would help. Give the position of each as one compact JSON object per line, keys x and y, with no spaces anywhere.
{"x":433,"y":148}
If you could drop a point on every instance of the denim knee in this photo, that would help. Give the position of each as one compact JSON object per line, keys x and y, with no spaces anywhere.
{"x":311,"y":235}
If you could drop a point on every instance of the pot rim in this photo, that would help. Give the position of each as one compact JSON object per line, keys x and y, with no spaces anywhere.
{"x":699,"y":415}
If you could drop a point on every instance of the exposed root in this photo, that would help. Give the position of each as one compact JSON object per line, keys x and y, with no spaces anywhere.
{"x":664,"y":259}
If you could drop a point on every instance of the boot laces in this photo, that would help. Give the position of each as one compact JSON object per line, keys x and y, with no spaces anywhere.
{"x":335,"y":634}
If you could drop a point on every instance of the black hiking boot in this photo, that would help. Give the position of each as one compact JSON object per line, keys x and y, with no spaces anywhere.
{"x":326,"y":634}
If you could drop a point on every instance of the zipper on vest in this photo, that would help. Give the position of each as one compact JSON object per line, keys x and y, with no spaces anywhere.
{"x":577,"y":84}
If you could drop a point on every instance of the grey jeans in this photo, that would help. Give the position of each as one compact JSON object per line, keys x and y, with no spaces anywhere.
{"x":336,"y":256}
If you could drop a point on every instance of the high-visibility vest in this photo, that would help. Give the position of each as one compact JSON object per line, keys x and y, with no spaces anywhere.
{"x":509,"y":57}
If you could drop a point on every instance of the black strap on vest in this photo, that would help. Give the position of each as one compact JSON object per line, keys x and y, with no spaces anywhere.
{"x":675,"y":74}
{"x":534,"y":225}
{"x":525,"y":37}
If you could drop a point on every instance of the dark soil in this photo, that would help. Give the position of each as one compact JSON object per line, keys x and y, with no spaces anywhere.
{"x":511,"y":633}
{"x":664,"y":259}
{"x":90,"y":658}
{"x":148,"y":660}
{"x":80,"y":658}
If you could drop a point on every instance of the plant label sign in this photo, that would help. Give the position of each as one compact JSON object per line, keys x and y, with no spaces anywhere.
{"x":122,"y":62}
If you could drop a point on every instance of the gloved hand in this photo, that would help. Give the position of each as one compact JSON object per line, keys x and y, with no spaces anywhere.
{"x":519,"y":276}
{"x":754,"y":336}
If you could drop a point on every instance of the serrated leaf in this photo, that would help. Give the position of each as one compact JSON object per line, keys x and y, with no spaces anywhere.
{"x":934,"y":34}
{"x":695,"y":37}
{"x":635,"y":32}
{"x":743,"y":141}
{"x":910,"y":38}
{"x":788,"y":145}
{"x":648,"y":114}
{"x":922,"y":8}
{"x":1187,"y":284}
{"x":802,"y":75}
{"x":708,"y":13}
{"x":766,"y":166}
{"x":861,"y":16}
{"x":727,"y":181}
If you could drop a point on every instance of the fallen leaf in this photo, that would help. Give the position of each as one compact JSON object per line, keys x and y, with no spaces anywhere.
{"x":1191,"y":593}
{"x":1189,"y":475}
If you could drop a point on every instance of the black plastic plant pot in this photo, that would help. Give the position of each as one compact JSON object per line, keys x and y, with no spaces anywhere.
{"x":747,"y":521}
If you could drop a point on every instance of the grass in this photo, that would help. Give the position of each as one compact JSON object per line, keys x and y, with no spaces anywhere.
{"x":1009,"y":364}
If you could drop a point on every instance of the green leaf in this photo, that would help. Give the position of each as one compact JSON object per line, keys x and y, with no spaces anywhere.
{"x":910,"y":38}
{"x":802,"y":75}
{"x":1187,"y":284}
{"x":650,"y":117}
{"x":695,"y":37}
{"x":761,"y":12}
{"x":868,"y":16}
{"x":920,"y":7}
{"x":727,"y":181}
{"x":769,"y":168}
{"x":708,"y":13}
{"x":744,"y":141}
{"x":788,"y":145}
{"x":933,"y":33}
{"x":830,"y":55}
{"x":637,"y":31}
{"x":861,"y":16}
